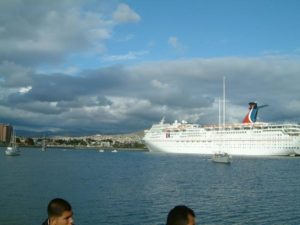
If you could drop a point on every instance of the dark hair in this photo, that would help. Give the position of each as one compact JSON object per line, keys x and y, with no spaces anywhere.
{"x":57,"y":206}
{"x":179,"y":215}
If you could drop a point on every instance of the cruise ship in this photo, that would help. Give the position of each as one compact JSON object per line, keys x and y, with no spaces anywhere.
{"x":249,"y":138}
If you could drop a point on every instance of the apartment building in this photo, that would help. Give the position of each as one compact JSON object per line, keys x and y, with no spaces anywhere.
{"x":5,"y":133}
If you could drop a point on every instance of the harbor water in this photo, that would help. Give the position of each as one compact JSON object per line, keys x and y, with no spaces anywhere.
{"x":139,"y":188}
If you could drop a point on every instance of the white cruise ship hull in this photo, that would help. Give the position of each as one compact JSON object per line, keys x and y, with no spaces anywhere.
{"x":210,"y":150}
{"x":239,"y":139}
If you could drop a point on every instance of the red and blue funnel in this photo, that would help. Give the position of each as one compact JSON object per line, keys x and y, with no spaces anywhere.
{"x":252,"y":114}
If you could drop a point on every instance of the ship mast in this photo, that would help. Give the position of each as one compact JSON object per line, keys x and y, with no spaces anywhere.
{"x":219,"y":113}
{"x":224,"y":109}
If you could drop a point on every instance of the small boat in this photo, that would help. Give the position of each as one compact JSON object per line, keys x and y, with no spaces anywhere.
{"x":100,"y":150}
{"x":115,"y":150}
{"x":13,"y":149}
{"x":221,"y":157}
{"x":44,"y":145}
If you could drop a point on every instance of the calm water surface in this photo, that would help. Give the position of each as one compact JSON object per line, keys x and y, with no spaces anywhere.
{"x":139,"y":188}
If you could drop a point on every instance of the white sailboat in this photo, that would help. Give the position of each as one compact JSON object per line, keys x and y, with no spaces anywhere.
{"x":12,"y":149}
{"x":221,"y":156}
{"x":44,"y":145}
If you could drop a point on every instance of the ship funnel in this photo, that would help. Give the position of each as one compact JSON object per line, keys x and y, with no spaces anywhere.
{"x":252,"y":114}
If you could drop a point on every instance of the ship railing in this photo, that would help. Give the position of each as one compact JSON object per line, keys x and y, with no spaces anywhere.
{"x":235,"y":126}
{"x":291,"y":131}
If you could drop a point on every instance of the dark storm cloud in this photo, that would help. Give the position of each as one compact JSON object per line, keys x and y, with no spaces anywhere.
{"x":268,"y":80}
{"x":62,"y":87}
{"x":131,"y":98}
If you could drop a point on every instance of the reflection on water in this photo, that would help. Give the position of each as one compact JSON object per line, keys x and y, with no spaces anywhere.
{"x":140,"y":188}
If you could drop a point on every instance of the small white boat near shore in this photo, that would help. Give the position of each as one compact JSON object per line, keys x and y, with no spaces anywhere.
{"x":44,"y":144}
{"x":222,"y":157}
{"x":13,"y":149}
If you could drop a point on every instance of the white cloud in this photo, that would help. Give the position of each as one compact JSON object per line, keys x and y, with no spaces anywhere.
{"x":24,"y":90}
{"x":158,"y":84}
{"x":128,"y":37}
{"x":128,"y":56}
{"x":124,"y":14}
{"x":175,"y":43}
{"x":50,"y":32}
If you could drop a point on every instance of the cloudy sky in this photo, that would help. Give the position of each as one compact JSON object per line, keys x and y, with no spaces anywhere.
{"x":81,"y":67}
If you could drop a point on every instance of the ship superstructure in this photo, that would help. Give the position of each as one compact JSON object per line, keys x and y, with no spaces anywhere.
{"x":249,"y":138}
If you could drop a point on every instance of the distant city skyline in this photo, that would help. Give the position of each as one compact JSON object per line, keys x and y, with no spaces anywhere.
{"x":108,"y":67}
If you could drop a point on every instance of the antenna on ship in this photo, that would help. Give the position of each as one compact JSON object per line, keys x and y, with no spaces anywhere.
{"x":224,"y":109}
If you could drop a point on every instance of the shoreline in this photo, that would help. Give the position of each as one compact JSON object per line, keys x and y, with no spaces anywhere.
{"x":96,"y":148}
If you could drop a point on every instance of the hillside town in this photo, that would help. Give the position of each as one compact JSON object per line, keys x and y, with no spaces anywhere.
{"x":132,"y":141}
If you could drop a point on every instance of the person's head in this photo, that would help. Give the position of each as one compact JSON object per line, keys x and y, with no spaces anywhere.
{"x":181,"y":215}
{"x":60,"y":212}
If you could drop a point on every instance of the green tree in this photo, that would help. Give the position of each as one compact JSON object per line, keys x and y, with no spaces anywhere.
{"x":29,"y":141}
{"x":18,"y":140}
